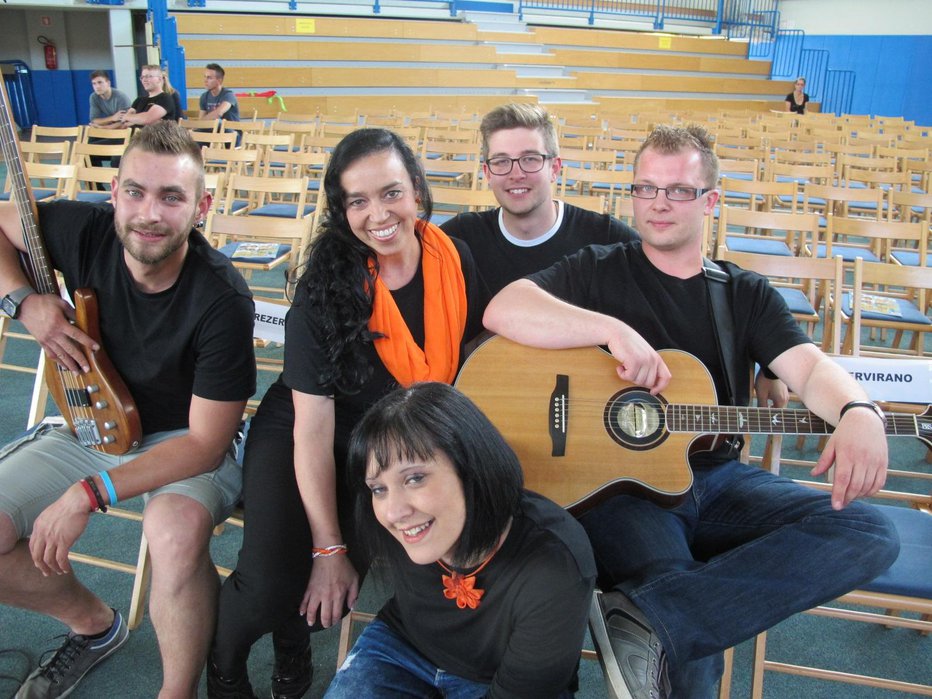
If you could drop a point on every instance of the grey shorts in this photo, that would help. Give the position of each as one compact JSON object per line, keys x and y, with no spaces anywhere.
{"x":37,"y":468}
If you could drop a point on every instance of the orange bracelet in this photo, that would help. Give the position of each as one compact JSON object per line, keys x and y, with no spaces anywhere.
{"x":328,"y":551}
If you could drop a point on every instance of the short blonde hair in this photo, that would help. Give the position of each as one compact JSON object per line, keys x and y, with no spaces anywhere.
{"x":516,"y":116}
{"x":674,"y":139}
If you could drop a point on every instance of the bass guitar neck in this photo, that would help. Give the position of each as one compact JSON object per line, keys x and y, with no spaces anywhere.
{"x":97,"y":405}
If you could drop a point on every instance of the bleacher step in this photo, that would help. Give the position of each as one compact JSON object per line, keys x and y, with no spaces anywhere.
{"x":524,"y":70}
{"x":558,"y":96}
{"x":496,"y":21}
{"x":502,"y":47}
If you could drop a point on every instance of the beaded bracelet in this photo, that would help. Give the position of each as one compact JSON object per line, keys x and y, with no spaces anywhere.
{"x":108,"y":484}
{"x":101,"y":505}
{"x":328,"y":551}
{"x":90,"y":495}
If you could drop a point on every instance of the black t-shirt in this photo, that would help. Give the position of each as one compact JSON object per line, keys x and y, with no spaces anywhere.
{"x":305,"y":353}
{"x":525,"y":635}
{"x":673,"y":313}
{"x":502,"y":260}
{"x":164,"y":100}
{"x":194,"y":338}
{"x":797,"y":108}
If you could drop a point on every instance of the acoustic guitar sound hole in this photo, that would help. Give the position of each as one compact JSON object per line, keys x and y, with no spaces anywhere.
{"x":635,"y":419}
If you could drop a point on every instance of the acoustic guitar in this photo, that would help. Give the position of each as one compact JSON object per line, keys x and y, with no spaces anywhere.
{"x":583,"y":435}
{"x":96,"y":405}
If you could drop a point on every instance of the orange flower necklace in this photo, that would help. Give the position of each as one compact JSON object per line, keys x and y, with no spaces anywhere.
{"x":462,"y":587}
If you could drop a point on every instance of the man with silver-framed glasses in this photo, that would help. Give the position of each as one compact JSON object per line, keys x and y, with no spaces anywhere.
{"x":744,"y":548}
{"x":531,"y":230}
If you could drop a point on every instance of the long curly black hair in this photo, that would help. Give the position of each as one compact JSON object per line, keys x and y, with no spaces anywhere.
{"x":337,"y":276}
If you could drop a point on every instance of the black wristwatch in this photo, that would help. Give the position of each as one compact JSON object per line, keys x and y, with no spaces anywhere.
{"x":10,"y":304}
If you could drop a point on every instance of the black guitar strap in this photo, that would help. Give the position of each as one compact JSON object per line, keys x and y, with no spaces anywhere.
{"x":718,"y":286}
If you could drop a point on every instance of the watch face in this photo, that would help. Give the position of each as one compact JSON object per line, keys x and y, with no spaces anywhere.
{"x":8,"y":306}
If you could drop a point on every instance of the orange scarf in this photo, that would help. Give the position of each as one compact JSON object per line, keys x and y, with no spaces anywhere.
{"x":444,"y":316}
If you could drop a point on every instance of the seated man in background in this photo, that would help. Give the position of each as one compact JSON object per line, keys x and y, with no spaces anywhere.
{"x":107,"y":108}
{"x":745,"y":548}
{"x":217,"y":102}
{"x":176,"y":319}
{"x":155,"y":105}
{"x":106,"y":102}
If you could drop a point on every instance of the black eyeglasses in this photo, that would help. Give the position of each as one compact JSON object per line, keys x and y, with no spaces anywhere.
{"x":675,"y":193}
{"x":530,"y":163}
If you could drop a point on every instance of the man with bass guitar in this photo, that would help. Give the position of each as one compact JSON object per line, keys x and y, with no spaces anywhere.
{"x":744,"y":548}
{"x":176,"y":320}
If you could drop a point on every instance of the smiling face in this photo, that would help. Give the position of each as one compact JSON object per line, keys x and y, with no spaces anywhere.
{"x":152,"y":80}
{"x":421,"y":503}
{"x":381,"y":203}
{"x":156,"y":201}
{"x":522,"y":194}
{"x":672,"y":225}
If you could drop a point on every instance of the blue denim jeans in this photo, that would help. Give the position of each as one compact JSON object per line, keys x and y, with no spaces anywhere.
{"x":743,"y":551}
{"x":383,"y":664}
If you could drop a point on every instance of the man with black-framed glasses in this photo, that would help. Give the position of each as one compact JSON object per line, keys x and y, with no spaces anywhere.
{"x":531,"y":230}
{"x":742,"y":549}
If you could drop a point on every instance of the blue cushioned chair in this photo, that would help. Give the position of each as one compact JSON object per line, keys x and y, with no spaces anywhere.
{"x":905,"y":587}
{"x":888,"y":296}
{"x":767,"y":232}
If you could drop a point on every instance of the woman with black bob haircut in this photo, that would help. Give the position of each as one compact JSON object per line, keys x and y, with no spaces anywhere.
{"x":385,"y":299}
{"x":492,"y":583}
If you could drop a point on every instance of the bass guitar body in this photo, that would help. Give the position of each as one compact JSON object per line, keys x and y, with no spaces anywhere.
{"x":96,"y":405}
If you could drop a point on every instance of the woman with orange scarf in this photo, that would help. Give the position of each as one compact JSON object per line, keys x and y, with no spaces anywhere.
{"x":386,"y":299}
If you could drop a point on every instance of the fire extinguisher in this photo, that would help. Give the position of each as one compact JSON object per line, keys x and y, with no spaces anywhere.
{"x":51,"y":53}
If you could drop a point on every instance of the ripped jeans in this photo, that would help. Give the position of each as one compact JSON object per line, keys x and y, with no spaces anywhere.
{"x":383,"y":664}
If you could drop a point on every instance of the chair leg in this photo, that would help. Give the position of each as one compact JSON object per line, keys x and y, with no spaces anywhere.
{"x":757,"y":671}
{"x":724,"y":687}
{"x":346,"y":633}
{"x":137,"y":605}
{"x":40,"y":394}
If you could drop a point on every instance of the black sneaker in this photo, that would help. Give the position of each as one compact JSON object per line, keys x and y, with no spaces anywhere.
{"x":219,"y":687}
{"x":293,"y":673}
{"x":632,"y":657}
{"x":72,"y":661}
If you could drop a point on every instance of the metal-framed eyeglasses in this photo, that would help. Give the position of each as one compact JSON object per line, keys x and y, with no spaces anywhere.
{"x":529,"y":163}
{"x":674,"y":193}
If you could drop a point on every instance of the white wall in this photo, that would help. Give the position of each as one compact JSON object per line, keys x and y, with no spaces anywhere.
{"x":13,"y":35}
{"x":89,"y":40}
{"x":858,"y":17}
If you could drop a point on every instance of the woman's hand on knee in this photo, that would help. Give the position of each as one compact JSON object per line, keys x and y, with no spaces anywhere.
{"x":333,"y":586}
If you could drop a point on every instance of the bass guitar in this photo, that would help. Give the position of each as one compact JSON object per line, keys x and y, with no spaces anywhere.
{"x":583,"y":435}
{"x":96,"y":405}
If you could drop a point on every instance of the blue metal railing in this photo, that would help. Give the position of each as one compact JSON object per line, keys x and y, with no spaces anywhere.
{"x":839,"y":92}
{"x":834,"y":89}
{"x":786,"y":51}
{"x":165,"y":37}
{"x":18,"y":82}
{"x":711,"y":13}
